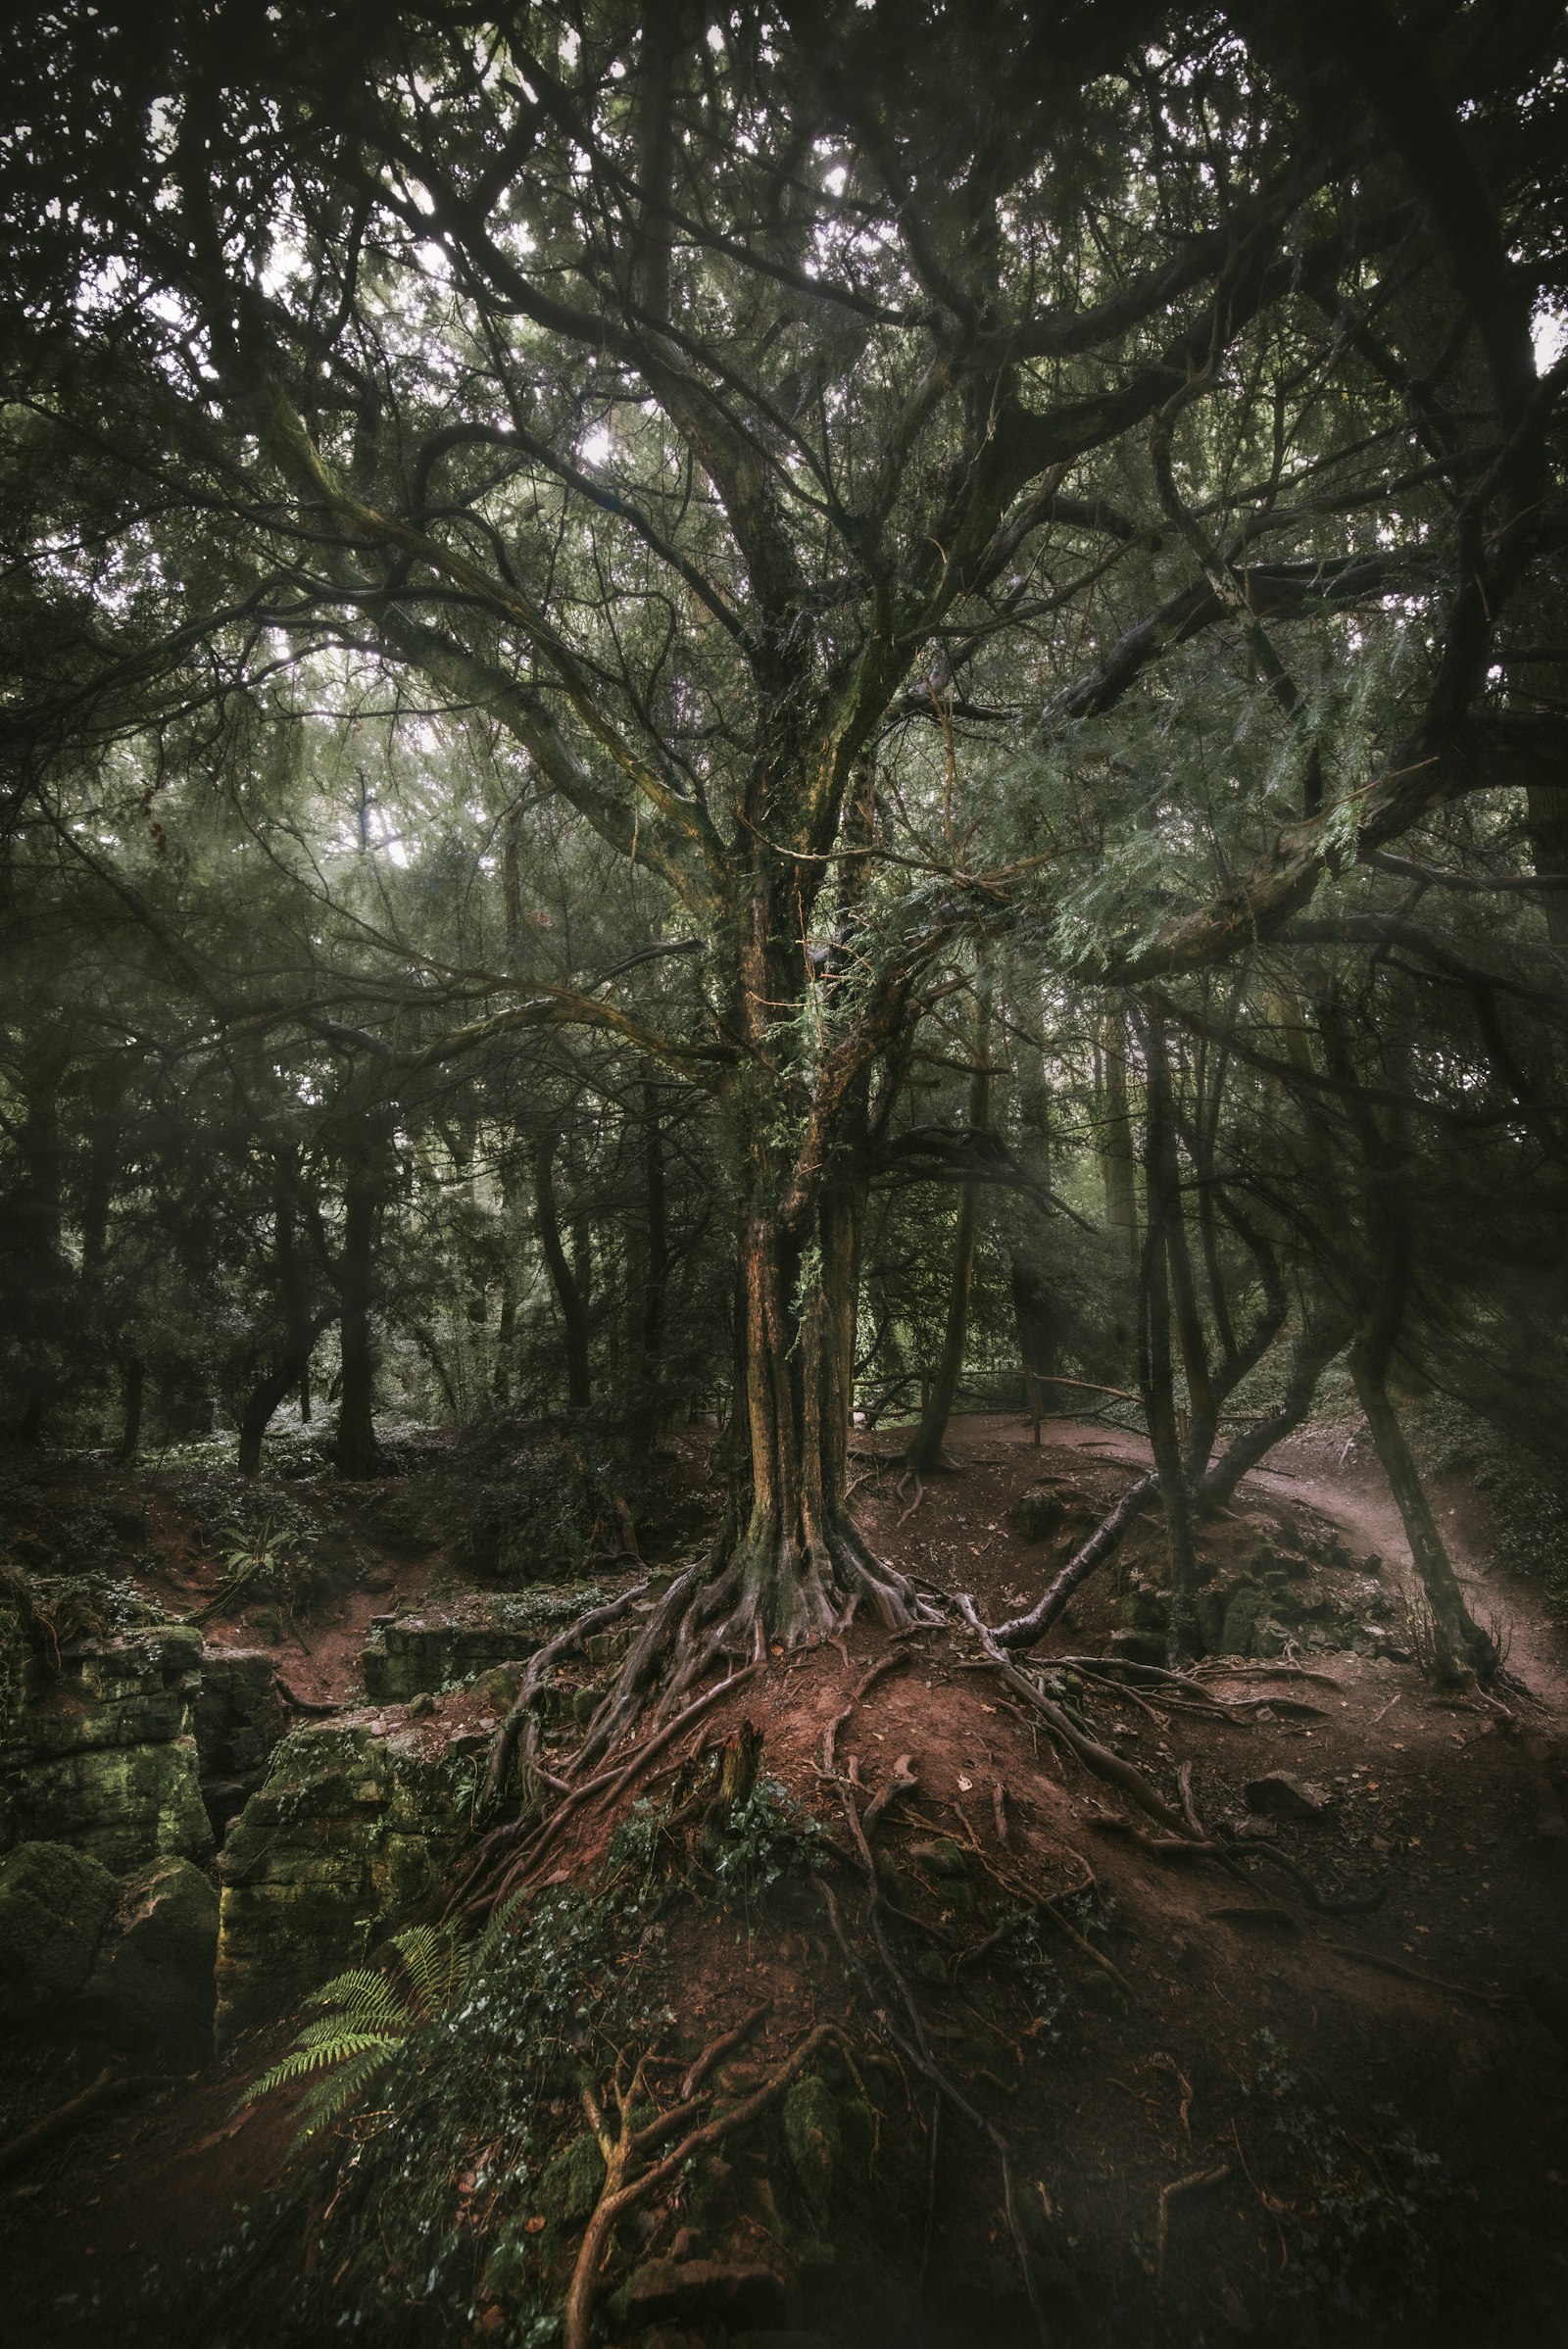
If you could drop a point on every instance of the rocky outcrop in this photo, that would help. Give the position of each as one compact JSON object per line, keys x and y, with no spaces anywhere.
{"x":151,"y":1984}
{"x":346,"y":1841}
{"x":240,"y":1720}
{"x":129,"y":1963}
{"x":96,"y":1742}
{"x":441,"y":1647}
{"x":54,"y":1906}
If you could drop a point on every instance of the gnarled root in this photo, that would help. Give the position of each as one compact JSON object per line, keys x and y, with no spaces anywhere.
{"x":767,"y":1591}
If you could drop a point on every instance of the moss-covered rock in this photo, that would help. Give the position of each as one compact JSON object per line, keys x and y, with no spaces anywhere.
{"x":1243,"y":1607}
{"x":347,"y":1840}
{"x":123,"y":1804}
{"x":570,"y":2186}
{"x":97,"y":1749}
{"x":239,"y":1722}
{"x":54,"y":1906}
{"x":442,"y":1647}
{"x":813,"y":2139}
{"x":1038,"y":1513}
{"x":152,"y":1982}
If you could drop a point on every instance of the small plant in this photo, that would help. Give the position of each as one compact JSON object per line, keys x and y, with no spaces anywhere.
{"x":267,"y":1563}
{"x":1348,"y":2205}
{"x":365,"y":2015}
{"x":763,"y":1839}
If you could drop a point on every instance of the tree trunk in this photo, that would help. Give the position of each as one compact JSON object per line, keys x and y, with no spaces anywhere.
{"x":1118,"y":1157}
{"x":653,"y":1281}
{"x":924,"y":1453}
{"x":798,"y":1557}
{"x":1035,"y":1319}
{"x":260,"y":1403}
{"x":1155,"y":1366}
{"x":1460,"y":1646}
{"x":132,"y":1390}
{"x":563,"y":1278}
{"x":354,"y":1439}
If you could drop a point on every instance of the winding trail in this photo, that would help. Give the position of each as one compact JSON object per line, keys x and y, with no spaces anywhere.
{"x":1334,"y":1471}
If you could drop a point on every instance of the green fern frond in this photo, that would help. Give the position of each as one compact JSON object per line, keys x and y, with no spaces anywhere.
{"x":436,"y":1965}
{"x":335,"y":2031}
{"x":377,"y":2002}
{"x":342,"y":2087}
{"x":326,"y":2052}
{"x":359,"y":1982}
{"x":363,"y":2016}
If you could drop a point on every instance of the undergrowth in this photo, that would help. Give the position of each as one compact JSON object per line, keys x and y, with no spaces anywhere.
{"x":1350,"y":2207}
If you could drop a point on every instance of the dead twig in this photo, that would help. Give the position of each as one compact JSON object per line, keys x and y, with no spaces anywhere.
{"x":1428,"y":1982}
{"x":903,"y":1781}
{"x":109,"y":2088}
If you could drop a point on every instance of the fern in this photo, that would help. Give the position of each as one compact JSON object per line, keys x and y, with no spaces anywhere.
{"x":367,"y":2014}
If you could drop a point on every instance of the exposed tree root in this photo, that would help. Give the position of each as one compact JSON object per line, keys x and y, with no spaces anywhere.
{"x":916,"y":2051}
{"x":752,"y":1593}
{"x":522,"y":1726}
{"x":631,"y":2173}
{"x":509,"y":1856}
{"x":1095,"y":1756}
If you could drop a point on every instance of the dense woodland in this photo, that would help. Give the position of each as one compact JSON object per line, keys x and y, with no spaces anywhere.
{"x":763,"y":731}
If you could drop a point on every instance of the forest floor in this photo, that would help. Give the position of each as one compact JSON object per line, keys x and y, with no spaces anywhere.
{"x":1245,"y":2117}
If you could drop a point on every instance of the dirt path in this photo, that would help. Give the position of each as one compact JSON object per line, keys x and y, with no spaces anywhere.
{"x":1334,"y":1471}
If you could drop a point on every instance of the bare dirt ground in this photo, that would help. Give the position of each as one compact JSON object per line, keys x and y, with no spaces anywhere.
{"x":1246,"y":2118}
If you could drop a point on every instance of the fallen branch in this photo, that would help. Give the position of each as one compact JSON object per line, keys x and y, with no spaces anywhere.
{"x":1095,"y":1756}
{"x":109,"y":2088}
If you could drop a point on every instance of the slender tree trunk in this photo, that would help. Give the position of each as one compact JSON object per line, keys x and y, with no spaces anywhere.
{"x":1460,"y":1646}
{"x":563,"y":1278}
{"x":1547,"y":803}
{"x":260,"y":1403}
{"x":354,"y":1436}
{"x":1035,"y":1320}
{"x":1118,"y":1157}
{"x":132,"y":1392}
{"x":653,"y":1280}
{"x":924,"y":1453}
{"x":1155,"y":1362}
{"x":41,"y":1276}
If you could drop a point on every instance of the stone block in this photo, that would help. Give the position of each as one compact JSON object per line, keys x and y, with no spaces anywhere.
{"x":122,"y":1804}
{"x":1283,"y":1795}
{"x":240,"y":1719}
{"x":152,"y":1982}
{"x":441,"y":1647}
{"x":54,"y":1906}
{"x":347,"y":1840}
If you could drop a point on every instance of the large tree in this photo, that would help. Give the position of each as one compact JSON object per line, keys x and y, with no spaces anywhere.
{"x":840,"y":449}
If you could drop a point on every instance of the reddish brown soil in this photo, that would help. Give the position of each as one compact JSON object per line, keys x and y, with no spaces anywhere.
{"x":1433,"y":1803}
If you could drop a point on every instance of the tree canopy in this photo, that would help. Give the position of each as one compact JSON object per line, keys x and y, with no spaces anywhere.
{"x":790,"y":626}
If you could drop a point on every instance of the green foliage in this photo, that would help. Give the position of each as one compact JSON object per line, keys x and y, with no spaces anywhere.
{"x":766,"y":1840}
{"x":363,"y":2016}
{"x":1350,"y":2203}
